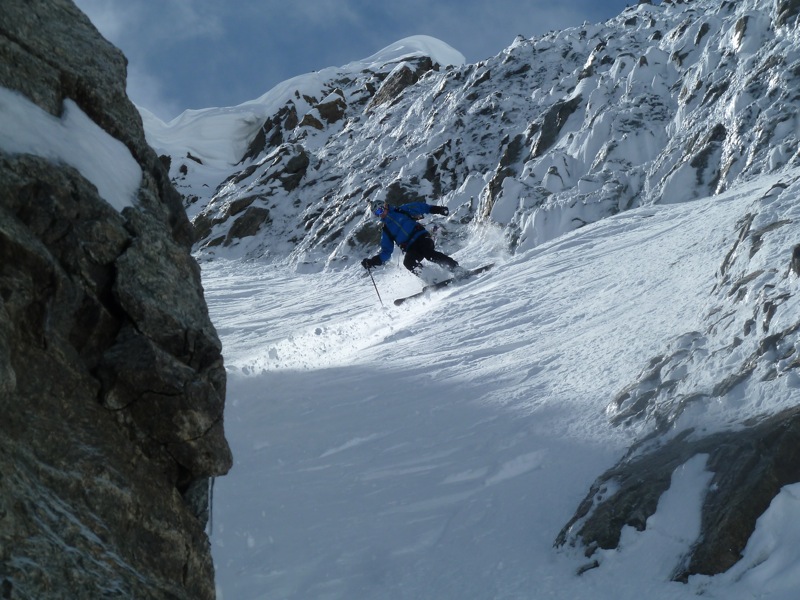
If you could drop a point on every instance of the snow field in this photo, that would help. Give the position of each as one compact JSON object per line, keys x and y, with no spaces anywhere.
{"x":435,"y":450}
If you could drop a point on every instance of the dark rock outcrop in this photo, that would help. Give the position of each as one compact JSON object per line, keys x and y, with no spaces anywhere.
{"x":785,"y":11}
{"x":332,"y":109}
{"x":552,"y":122}
{"x":749,"y":467}
{"x":271,"y":133}
{"x":112,"y":384}
{"x":400,"y":79}
{"x":248,"y":224}
{"x":282,"y":169}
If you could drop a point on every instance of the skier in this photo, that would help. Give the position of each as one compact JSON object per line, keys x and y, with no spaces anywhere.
{"x":400,"y":227}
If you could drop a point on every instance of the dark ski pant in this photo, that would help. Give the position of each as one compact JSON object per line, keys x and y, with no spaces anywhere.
{"x":423,"y":249}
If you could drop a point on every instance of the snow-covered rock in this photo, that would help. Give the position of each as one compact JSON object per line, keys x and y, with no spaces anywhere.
{"x":662,"y":104}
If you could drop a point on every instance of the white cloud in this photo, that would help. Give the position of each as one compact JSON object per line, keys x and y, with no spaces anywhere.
{"x":197,"y":19}
{"x":313,"y":13}
{"x":112,"y":19}
{"x":146,"y":31}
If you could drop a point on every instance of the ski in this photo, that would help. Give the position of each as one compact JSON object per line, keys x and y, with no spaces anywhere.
{"x":442,"y":284}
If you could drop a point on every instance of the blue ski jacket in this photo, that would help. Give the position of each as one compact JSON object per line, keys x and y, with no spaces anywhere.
{"x":401,"y":228}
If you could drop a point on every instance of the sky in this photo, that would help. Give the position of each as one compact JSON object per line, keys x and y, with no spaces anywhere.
{"x":193,"y":54}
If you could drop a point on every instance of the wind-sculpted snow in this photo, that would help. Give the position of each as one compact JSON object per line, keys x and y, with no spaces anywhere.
{"x":725,"y":388}
{"x":748,"y":331}
{"x":662,"y":104}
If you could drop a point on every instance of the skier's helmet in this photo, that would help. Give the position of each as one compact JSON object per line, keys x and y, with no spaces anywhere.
{"x":378,"y":206}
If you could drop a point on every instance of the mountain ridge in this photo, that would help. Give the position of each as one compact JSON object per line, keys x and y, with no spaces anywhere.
{"x":663,"y":103}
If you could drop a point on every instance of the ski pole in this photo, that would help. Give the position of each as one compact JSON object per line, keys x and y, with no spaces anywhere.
{"x":376,"y":285}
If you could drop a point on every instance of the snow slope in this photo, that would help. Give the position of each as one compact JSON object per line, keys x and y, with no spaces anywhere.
{"x":435,"y":450}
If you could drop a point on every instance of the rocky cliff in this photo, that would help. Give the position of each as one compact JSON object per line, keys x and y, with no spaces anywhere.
{"x":112,"y":383}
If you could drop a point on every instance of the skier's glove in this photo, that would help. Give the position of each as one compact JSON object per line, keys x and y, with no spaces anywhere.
{"x":368,"y":263}
{"x":440,"y":210}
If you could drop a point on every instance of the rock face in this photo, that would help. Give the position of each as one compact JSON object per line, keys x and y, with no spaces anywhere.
{"x":112,"y":383}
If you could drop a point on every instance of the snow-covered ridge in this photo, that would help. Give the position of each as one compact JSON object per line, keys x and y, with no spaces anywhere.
{"x":219,"y":136}
{"x":662,"y":104}
{"x":416,"y":45}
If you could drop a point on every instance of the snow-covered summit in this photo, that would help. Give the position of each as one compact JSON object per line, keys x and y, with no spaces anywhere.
{"x":410,"y":47}
{"x":219,"y":136}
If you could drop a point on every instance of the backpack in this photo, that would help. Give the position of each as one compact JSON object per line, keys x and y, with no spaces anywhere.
{"x":418,"y":227}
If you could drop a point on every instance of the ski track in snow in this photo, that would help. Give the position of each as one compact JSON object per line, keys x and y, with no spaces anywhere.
{"x":434,"y":450}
